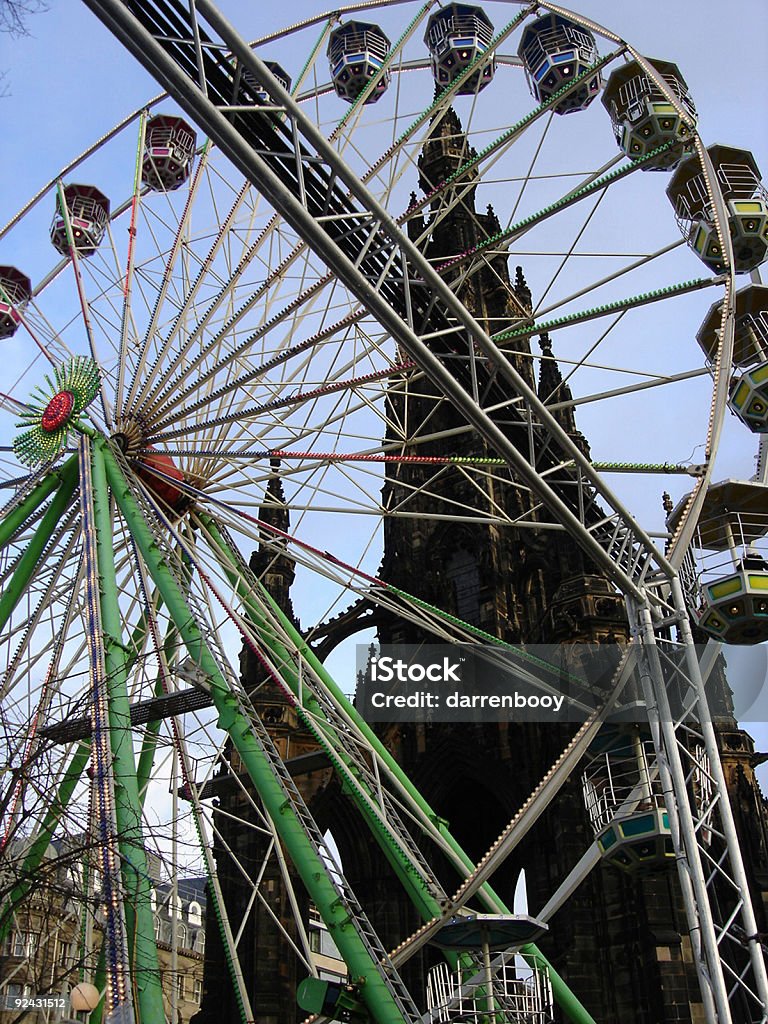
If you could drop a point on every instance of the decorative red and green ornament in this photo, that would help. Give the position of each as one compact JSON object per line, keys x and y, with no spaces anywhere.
{"x":53,"y":411}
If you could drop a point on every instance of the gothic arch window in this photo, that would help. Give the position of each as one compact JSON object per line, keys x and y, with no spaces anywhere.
{"x":464,"y":574}
{"x":195,"y":913}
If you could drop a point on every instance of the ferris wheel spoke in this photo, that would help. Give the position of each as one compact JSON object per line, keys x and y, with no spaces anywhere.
{"x":177,"y":399}
{"x":492,"y":152}
{"x":32,"y":742}
{"x":442,"y":101}
{"x":165,"y":283}
{"x":127,"y":321}
{"x":148,"y":393}
{"x":206,"y":351}
{"x":618,"y":305}
{"x":516,"y":231}
{"x":57,"y":589}
{"x":240,"y":415}
{"x":224,"y":396}
{"x":241,"y":351}
{"x":641,"y":261}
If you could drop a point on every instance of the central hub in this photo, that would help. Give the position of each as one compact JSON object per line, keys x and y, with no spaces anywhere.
{"x":159,"y":471}
{"x":56,"y":414}
{"x":156,"y":470}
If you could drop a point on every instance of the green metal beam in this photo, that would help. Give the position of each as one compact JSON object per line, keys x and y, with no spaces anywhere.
{"x":310,"y":865}
{"x":36,"y":545}
{"x":565,"y":998}
{"x":134,"y":868}
{"x":143,"y":774}
{"x":152,"y":729}
{"x":16,"y":518}
{"x":72,"y":775}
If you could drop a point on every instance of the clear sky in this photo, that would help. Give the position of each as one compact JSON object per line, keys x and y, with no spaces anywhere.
{"x":69,"y":81}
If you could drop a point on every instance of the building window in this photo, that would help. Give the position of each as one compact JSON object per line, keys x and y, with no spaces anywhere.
{"x":24,"y":944}
{"x":197,"y":990}
{"x":11,"y":992}
{"x":174,"y":906}
{"x":320,"y":941}
{"x":195,"y":913}
{"x":181,"y":936}
{"x":200,"y":941}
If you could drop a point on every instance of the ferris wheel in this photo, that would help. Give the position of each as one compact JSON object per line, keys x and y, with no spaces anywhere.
{"x":259,"y":302}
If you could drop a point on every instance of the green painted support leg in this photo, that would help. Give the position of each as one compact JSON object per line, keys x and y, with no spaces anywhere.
{"x":36,"y":545}
{"x":18,"y":516}
{"x":135,"y":872}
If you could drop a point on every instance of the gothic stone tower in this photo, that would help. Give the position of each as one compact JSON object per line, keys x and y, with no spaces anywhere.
{"x":618,"y":942}
{"x":499,"y":564}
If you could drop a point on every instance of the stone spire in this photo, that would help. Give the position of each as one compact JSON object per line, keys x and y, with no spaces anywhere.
{"x":415,"y":223}
{"x":522,"y":291}
{"x":270,"y":561}
{"x":273,"y":510}
{"x":553,"y":390}
{"x":444,"y":152}
{"x":492,"y":224}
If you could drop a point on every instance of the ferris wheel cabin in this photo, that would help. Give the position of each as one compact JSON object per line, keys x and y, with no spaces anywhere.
{"x":745,"y":197}
{"x":456,"y":36}
{"x":625,"y":803}
{"x":729,"y":588}
{"x":643,"y":119}
{"x":749,"y":390}
{"x":555,"y":51}
{"x":15,"y":293}
{"x":258,"y":94}
{"x":86,"y":215}
{"x":356,"y":52}
{"x":169,"y":153}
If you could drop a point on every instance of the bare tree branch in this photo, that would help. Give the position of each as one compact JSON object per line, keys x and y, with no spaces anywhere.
{"x":14,"y":15}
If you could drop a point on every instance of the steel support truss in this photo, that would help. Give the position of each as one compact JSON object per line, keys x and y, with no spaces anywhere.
{"x":186,"y":47}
